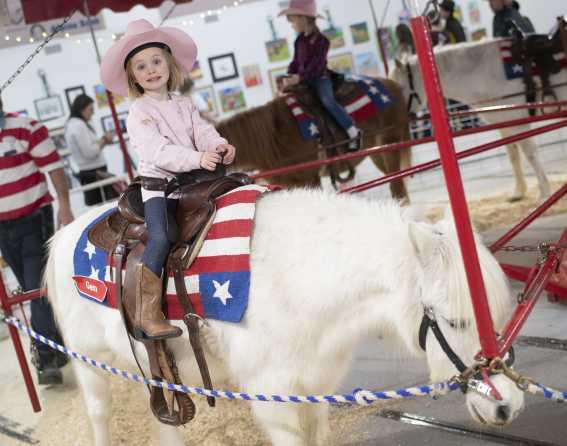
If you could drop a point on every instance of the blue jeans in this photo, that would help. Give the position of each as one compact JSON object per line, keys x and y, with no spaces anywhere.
{"x":161,"y":222}
{"x":324,"y":89}
{"x":23,"y":242}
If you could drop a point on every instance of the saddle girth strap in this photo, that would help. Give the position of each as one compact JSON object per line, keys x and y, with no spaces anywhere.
{"x":192,"y":322}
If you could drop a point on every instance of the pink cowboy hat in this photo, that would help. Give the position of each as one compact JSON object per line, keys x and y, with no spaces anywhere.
{"x":138,"y":33}
{"x":301,"y":7}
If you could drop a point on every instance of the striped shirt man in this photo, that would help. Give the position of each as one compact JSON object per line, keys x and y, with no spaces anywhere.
{"x":26,"y":153}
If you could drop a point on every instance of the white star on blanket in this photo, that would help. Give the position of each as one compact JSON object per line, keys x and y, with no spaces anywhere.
{"x":221,"y":291}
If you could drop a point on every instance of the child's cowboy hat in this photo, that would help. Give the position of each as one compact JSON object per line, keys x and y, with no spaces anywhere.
{"x":142,"y":33}
{"x":301,"y":7}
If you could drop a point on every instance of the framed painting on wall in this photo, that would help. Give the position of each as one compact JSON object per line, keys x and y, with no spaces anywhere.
{"x":72,"y":93}
{"x":49,"y":108}
{"x":107,"y":124}
{"x":207,"y":94}
{"x":232,"y":99}
{"x":342,"y":63}
{"x":252,"y":76}
{"x":223,"y":67}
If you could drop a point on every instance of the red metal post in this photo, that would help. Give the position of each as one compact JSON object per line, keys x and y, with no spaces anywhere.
{"x":498,"y":244}
{"x":522,"y":274}
{"x":121,"y":140}
{"x":530,"y":296}
{"x":440,"y":120}
{"x":6,"y":306}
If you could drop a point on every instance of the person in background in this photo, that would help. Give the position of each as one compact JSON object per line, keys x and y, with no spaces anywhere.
{"x":529,"y":25}
{"x":453,"y":29}
{"x":86,"y":149}
{"x":504,"y":13}
{"x":26,"y":222}
{"x":186,"y":89}
{"x":309,"y":64}
{"x":438,"y":36}
{"x":406,"y":46}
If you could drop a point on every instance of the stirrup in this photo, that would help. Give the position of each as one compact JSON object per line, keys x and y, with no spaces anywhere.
{"x":355,"y":144}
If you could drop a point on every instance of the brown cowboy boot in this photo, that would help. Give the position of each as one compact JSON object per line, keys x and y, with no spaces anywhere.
{"x":149,"y":320}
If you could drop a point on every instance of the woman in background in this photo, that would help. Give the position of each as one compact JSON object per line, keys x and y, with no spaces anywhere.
{"x":86,"y":149}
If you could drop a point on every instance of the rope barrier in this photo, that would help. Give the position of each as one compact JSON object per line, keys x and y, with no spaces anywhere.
{"x":358,"y":396}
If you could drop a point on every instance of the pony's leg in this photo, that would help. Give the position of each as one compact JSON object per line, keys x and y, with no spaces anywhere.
{"x":168,"y":435}
{"x":317,"y":418}
{"x":520,"y":187}
{"x":96,"y":393}
{"x":282,"y":423}
{"x":390,"y":162}
{"x":530,"y":152}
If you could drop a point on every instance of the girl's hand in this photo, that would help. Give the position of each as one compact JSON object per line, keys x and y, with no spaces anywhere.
{"x":228,"y":151}
{"x":209,"y":160}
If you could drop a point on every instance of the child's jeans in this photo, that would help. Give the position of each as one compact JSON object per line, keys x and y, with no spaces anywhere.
{"x":324,"y":89}
{"x":160,"y":216}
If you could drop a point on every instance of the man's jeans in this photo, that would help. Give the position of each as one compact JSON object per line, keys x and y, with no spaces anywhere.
{"x":23,"y":246}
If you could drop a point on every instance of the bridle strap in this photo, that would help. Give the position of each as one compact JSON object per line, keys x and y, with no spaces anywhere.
{"x":426,"y":323}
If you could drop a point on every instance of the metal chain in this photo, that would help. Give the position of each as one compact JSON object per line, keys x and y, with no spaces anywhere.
{"x":544,"y":247}
{"x":36,"y":51}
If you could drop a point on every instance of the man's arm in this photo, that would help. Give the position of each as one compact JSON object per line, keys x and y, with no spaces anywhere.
{"x":64,"y":214}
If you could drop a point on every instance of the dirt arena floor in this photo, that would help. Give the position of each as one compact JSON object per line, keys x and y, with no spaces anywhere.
{"x":64,"y":421}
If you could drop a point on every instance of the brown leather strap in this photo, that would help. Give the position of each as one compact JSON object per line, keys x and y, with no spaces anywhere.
{"x":192,"y":321}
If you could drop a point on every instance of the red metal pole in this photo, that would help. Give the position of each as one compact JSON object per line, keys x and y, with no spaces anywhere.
{"x":530,"y":297}
{"x":498,"y":244}
{"x":19,"y":349}
{"x":464,"y":154}
{"x":440,"y":120}
{"x":24,"y":297}
{"x":522,"y":274}
{"x":121,"y":140}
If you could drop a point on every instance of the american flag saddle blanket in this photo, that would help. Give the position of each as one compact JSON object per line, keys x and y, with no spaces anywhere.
{"x":217,"y":282}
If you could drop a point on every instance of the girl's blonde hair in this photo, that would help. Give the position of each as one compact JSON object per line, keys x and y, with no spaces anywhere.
{"x":174,"y":82}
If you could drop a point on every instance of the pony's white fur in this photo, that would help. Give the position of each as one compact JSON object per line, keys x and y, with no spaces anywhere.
{"x":472,"y":72}
{"x":327,"y":271}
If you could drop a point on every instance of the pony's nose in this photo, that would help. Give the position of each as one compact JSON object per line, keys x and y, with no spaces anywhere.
{"x":503,"y":413}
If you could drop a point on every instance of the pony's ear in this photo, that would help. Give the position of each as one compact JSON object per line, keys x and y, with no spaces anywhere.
{"x":423,"y":239}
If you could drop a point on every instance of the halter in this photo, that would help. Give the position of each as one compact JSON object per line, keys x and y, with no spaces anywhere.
{"x":413,"y":92}
{"x":480,"y":381}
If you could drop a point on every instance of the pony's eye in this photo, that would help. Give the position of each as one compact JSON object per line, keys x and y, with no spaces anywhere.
{"x":458,"y":324}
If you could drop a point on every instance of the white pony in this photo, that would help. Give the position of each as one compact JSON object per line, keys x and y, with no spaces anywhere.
{"x":473,"y":73}
{"x":326,"y":271}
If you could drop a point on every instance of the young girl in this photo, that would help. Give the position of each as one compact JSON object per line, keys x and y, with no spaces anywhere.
{"x":309,"y":63}
{"x":169,"y":136}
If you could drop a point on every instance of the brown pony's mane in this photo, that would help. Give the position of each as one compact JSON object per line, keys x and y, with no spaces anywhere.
{"x":253,"y":132}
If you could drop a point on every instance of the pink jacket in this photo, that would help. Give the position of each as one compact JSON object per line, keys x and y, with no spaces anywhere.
{"x":168,"y":136}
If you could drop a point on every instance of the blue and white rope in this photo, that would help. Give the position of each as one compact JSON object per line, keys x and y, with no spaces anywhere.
{"x":358,"y":396}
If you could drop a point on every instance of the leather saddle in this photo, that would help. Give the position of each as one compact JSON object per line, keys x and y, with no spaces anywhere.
{"x":331,"y":133}
{"x":123,"y":235}
{"x":536,"y":51}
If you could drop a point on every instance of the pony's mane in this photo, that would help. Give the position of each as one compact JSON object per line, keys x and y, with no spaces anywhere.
{"x":254,"y":133}
{"x":496,"y":285}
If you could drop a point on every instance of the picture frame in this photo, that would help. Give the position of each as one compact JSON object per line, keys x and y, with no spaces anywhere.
{"x":367,"y":64}
{"x":57,"y":135}
{"x":223,"y":67}
{"x":273,"y":75}
{"x":359,"y":33}
{"x":48,"y":108}
{"x":278,"y":50}
{"x":232,"y":99}
{"x":252,"y":75}
{"x":72,"y":92}
{"x":207,"y":93}
{"x":342,"y":63}
{"x":107,"y":124}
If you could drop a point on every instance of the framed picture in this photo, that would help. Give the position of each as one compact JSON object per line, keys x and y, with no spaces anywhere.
{"x":72,"y":93}
{"x":223,"y":67}
{"x":252,"y":76}
{"x":107,"y":124}
{"x":49,"y":108}
{"x":232,"y":99}
{"x":102,"y":99}
{"x":196,"y":71}
{"x":389,"y":41}
{"x":367,"y":64}
{"x":278,"y":50}
{"x":359,"y":32}
{"x":335,"y":35}
{"x":208,"y":95}
{"x":274,"y":74}
{"x":57,"y":135}
{"x":342,"y":63}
